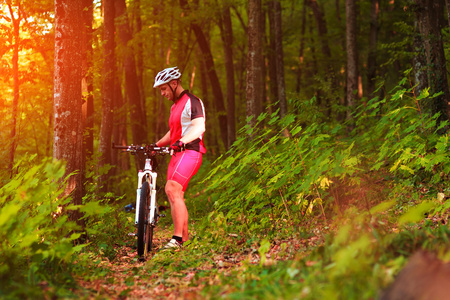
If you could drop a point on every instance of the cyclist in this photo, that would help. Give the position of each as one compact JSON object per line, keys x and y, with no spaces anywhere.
{"x":185,"y":135}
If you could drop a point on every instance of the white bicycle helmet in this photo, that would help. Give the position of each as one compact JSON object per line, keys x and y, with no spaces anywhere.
{"x":166,"y":76}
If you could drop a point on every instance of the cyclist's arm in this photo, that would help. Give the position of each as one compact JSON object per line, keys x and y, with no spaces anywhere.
{"x":196,"y":131}
{"x":164,"y":141}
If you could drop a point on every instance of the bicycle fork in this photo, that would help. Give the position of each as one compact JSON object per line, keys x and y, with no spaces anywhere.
{"x":147,"y":175}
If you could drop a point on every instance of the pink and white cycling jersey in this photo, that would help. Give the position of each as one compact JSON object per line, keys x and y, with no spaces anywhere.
{"x":187,"y":108}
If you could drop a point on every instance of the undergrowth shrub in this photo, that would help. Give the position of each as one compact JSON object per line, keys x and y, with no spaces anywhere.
{"x":36,"y":240}
{"x":273,"y":180}
{"x":269,"y":180}
{"x":396,"y":134}
{"x":40,"y":246}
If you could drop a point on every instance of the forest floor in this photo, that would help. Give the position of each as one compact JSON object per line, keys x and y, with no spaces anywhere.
{"x":162,"y":276}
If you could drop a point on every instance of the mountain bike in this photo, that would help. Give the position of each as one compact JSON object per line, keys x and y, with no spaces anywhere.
{"x":147,"y":211}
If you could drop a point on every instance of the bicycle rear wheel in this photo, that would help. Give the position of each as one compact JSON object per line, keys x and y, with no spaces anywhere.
{"x":144,"y":230}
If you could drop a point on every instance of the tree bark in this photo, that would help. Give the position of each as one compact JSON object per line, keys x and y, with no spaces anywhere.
{"x":428,"y":16}
{"x":321,"y":27}
{"x":68,"y":137}
{"x":254,"y":89}
{"x":352,"y":56}
{"x":87,"y":85}
{"x":279,"y":59}
{"x":302,"y":48}
{"x":140,"y":52}
{"x":122,"y":162}
{"x":326,"y":52}
{"x":447,"y":4}
{"x":373,"y":39}
{"x":226,"y":31}
{"x":137,"y":111}
{"x":15,"y":62}
{"x":107,"y":92}
{"x":213,"y":78}
{"x":271,"y":61}
{"x":419,"y":63}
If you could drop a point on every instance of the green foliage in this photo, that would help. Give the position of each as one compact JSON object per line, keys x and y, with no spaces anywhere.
{"x":37,"y":239}
{"x":404,"y":138}
{"x":39,"y":243}
{"x":270,"y":179}
{"x":268,"y":182}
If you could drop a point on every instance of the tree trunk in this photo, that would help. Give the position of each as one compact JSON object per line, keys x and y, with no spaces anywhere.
{"x":326,"y":52}
{"x":213,"y":78}
{"x":428,"y":16}
{"x":68,"y":137}
{"x":15,"y":62}
{"x":302,"y":48}
{"x":107,"y":93}
{"x":88,"y":85}
{"x":419,"y":63}
{"x":352,"y":56}
{"x":373,"y":39}
{"x":278,"y":31}
{"x":137,"y":115}
{"x":447,"y":4}
{"x":321,"y":27}
{"x":271,"y":61}
{"x":122,"y":162}
{"x":254,"y":90}
{"x":226,"y":30}
{"x":140,"y":53}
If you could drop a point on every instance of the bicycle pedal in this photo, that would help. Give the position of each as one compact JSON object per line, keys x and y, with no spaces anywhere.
{"x":132,"y":234}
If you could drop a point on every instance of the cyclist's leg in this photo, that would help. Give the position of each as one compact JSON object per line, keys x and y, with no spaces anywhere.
{"x":181,"y":169}
{"x":179,"y":212}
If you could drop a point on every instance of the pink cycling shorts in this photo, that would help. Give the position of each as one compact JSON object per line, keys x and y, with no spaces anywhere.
{"x":183,"y":165}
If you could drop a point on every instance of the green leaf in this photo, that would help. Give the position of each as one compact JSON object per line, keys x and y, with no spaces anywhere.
{"x":8,"y":213}
{"x":382,"y":207}
{"x":416,"y":213}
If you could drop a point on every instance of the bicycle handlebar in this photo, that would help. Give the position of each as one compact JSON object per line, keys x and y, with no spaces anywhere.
{"x":146,"y":149}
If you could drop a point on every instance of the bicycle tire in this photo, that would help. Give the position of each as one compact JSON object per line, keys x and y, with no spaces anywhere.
{"x":144,"y":227}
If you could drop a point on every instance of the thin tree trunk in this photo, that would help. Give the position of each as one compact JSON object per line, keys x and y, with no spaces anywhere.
{"x":373,"y":39}
{"x":419,"y":63}
{"x":213,"y":78}
{"x":326,"y":51}
{"x":15,"y":63}
{"x":137,"y":116}
{"x":254,"y":80}
{"x":140,"y":54}
{"x":281,"y":89}
{"x":227,"y":38}
{"x":67,"y":138}
{"x":352,"y":56}
{"x":447,"y":4}
{"x":107,"y":93}
{"x":122,"y":162}
{"x":88,"y":86}
{"x":315,"y":67}
{"x":428,"y":15}
{"x":302,"y":48}
{"x":271,"y":60}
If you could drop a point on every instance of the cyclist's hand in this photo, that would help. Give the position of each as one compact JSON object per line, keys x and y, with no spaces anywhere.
{"x":178,"y":146}
{"x":152,"y":145}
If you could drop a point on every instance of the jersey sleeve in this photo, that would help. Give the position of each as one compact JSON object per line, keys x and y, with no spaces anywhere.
{"x":197,"y":109}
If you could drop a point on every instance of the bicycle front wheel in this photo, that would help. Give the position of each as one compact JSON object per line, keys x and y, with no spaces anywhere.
{"x":145,"y":230}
